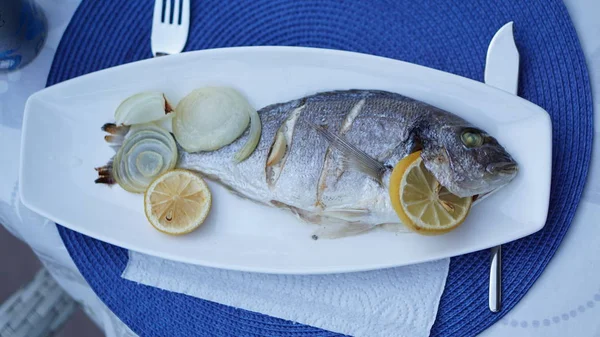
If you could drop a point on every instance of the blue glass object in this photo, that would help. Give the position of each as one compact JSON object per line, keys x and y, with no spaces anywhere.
{"x":23,"y":30}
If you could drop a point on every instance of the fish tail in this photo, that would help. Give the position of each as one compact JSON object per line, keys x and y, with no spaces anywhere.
{"x":115,"y":137}
{"x":114,"y":129}
{"x":105,"y":174}
{"x":116,"y":134}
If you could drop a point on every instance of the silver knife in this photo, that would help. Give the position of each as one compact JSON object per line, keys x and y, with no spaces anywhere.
{"x":502,"y":72}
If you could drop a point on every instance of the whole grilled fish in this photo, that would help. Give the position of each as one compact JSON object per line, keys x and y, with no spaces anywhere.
{"x":328,"y":157}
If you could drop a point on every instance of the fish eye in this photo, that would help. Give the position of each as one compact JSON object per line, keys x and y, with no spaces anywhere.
{"x":471,"y":138}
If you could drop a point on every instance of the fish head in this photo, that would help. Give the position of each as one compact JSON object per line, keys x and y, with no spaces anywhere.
{"x":468,"y":161}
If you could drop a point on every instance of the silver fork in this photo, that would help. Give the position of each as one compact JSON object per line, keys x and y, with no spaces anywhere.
{"x":170,"y":26}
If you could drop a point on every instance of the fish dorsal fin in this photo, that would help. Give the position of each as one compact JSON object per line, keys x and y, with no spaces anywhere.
{"x":354,"y":158}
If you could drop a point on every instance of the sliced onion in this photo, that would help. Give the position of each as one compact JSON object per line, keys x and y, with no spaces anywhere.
{"x":166,"y":123}
{"x":144,"y":107}
{"x":149,"y":163}
{"x":253,"y":138}
{"x":146,"y":153}
{"x":139,"y":160}
{"x":209,"y":118}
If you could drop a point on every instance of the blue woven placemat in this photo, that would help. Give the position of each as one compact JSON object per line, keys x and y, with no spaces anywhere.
{"x":443,"y":34}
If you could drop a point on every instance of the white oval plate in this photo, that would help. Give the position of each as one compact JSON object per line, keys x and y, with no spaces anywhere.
{"x":62,"y":143}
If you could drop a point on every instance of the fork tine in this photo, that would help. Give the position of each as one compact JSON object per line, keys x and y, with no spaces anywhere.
{"x":168,"y":12}
{"x":185,"y":13}
{"x":176,"y":13}
{"x":158,"y":6}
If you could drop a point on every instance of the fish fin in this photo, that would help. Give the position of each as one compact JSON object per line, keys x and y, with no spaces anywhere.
{"x":298,"y":212}
{"x":105,"y":180}
{"x":116,"y":134}
{"x":105,"y":174}
{"x":350,"y":164}
{"x":349,"y":214}
{"x":114,"y":139}
{"x":340,"y":229}
{"x":342,"y":222}
{"x":353,"y":157}
{"x":113,"y":129}
{"x":395,"y":227}
{"x":334,"y":223}
{"x":329,"y":216}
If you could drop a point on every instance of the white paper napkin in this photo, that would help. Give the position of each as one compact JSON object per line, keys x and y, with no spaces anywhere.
{"x":394,"y":302}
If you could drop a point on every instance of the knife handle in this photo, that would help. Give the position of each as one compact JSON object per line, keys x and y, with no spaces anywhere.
{"x":496,"y":279}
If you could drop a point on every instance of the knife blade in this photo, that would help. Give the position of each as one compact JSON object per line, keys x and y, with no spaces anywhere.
{"x":502,"y":72}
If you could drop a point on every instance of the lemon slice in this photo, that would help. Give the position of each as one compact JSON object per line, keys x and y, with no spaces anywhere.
{"x":177,"y":202}
{"x":422,"y":204}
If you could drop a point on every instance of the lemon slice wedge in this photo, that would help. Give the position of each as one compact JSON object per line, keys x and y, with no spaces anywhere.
{"x":422,"y":204}
{"x":177,"y":202}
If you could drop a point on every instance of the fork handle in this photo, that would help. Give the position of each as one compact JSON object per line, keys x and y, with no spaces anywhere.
{"x":495,"y":295}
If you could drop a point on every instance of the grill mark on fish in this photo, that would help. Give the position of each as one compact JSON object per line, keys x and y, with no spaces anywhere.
{"x":278,"y":149}
{"x":347,"y":124}
{"x":284,"y":136}
{"x":326,"y":169}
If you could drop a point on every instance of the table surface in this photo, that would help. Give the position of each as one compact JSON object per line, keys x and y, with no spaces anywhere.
{"x":564,"y":301}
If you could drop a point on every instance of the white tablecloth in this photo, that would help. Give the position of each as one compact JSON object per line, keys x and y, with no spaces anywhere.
{"x":565,"y":301}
